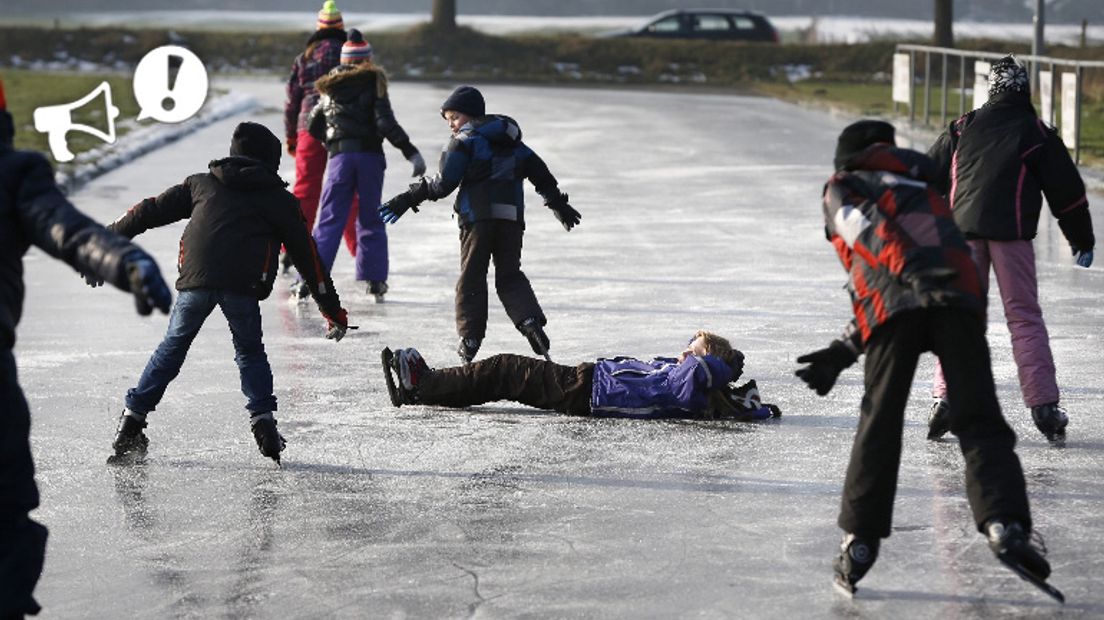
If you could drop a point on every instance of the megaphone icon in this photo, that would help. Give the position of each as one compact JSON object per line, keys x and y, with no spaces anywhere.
{"x":57,"y":120}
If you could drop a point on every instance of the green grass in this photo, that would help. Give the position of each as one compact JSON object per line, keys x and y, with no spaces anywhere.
{"x":28,"y":90}
{"x":874,"y":99}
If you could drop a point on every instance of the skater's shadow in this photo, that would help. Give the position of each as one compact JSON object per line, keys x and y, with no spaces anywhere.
{"x":974,"y":603}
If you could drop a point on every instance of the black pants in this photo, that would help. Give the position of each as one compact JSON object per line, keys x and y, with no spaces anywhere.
{"x":22,"y":541}
{"x":481,"y":242}
{"x":529,"y":381}
{"x":994,"y":478}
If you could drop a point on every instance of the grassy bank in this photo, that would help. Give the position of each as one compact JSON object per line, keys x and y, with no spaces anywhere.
{"x":853,"y":77}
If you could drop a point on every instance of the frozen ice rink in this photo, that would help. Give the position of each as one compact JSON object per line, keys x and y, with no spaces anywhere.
{"x":699,"y":211}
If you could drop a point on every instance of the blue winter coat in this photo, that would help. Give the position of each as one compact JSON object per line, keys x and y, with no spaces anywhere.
{"x":489,"y":162}
{"x":661,"y":388}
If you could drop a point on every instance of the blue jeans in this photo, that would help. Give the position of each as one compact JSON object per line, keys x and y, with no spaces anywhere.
{"x":243,"y":313}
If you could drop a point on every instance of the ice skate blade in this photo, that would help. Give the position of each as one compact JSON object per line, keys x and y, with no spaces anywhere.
{"x":127,"y":458}
{"x":843,"y":587}
{"x":1034,"y":580}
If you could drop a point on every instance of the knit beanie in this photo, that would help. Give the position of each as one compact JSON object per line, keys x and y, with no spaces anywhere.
{"x":329,"y":16}
{"x":465,"y":100}
{"x":355,"y":49}
{"x":857,"y":136}
{"x":1008,"y":75}
{"x":7,"y":126}
{"x":255,"y":141}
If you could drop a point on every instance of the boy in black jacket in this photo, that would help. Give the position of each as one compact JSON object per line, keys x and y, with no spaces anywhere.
{"x":34,"y":212}
{"x":239,"y":214}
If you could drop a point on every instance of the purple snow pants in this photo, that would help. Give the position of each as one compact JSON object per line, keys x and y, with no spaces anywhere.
{"x":347,"y":175}
{"x":1013,"y":262}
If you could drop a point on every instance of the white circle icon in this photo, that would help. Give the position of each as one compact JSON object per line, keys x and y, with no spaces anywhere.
{"x":166,"y":97}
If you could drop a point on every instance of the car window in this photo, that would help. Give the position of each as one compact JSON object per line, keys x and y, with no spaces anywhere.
{"x":667,"y":24}
{"x":711,"y":23}
{"x":743,"y":23}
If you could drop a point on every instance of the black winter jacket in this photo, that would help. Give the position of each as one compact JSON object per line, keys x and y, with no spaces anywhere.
{"x":238,"y":216}
{"x":354,"y":113}
{"x":992,"y":164}
{"x":33,"y":211}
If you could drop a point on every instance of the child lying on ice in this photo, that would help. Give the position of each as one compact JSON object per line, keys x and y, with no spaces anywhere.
{"x":695,"y":384}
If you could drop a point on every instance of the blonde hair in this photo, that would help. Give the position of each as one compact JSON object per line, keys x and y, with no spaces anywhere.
{"x":718,"y":346}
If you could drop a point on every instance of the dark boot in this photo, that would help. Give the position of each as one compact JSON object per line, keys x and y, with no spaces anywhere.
{"x":1051,"y":420}
{"x":377,"y":289}
{"x":269,"y":440}
{"x":467,"y":349}
{"x":857,"y":554}
{"x":533,"y":331}
{"x":939,"y":420}
{"x":129,"y":438}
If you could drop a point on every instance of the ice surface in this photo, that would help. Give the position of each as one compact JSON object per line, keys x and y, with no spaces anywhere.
{"x":699,"y":211}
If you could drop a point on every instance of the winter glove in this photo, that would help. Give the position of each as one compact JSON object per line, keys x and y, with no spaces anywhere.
{"x":146,"y":284}
{"x":567,"y":215}
{"x":392,"y":210}
{"x":337,"y":324}
{"x":292,"y":141}
{"x":1084,"y":257}
{"x":824,"y":366}
{"x":418,"y":162}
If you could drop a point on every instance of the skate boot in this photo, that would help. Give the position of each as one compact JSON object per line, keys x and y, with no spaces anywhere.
{"x":377,"y":288}
{"x":1016,"y":550}
{"x":939,"y":420}
{"x":269,"y":440}
{"x":129,"y":438}
{"x":1051,"y":420}
{"x":403,"y":369}
{"x":857,"y":555}
{"x":467,"y":349}
{"x":531,"y":328}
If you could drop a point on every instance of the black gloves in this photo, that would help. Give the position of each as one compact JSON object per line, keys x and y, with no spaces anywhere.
{"x":392,"y":210}
{"x":146,"y":284}
{"x":825,"y":365}
{"x":567,"y":215}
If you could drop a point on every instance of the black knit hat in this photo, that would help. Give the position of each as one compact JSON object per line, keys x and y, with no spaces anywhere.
{"x":465,"y":100}
{"x":1007,"y":75}
{"x":858,"y":135}
{"x":255,"y":141}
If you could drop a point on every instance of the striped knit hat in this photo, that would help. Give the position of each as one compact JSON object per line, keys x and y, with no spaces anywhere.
{"x":329,"y":16}
{"x":356,"y":49}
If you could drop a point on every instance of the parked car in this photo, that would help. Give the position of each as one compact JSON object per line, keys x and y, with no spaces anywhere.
{"x":709,"y":24}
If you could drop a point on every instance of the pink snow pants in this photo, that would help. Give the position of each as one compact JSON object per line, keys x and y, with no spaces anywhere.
{"x":310,"y":167}
{"x":1013,"y":262}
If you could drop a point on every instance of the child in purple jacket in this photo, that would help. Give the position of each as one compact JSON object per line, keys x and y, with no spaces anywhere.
{"x":687,"y":386}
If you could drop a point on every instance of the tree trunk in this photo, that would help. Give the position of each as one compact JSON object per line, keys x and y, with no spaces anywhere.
{"x":444,"y":14}
{"x":944,"y":21}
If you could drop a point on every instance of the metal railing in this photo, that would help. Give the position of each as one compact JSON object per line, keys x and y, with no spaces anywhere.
{"x":1034,"y":64}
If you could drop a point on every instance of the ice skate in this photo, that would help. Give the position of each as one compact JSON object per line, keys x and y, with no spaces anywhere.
{"x":1051,"y":420}
{"x":390,"y":367}
{"x":939,"y":420}
{"x":299,"y":290}
{"x":1016,"y":550}
{"x":467,"y":349}
{"x":269,"y":440}
{"x":377,"y":289}
{"x":130,"y":440}
{"x":532,"y":330}
{"x":856,"y":557}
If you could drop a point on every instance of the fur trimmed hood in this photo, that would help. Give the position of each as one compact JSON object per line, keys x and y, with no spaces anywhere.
{"x":361,"y":75}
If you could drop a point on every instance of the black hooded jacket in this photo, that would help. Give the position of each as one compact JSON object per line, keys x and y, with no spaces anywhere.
{"x":239,"y":213}
{"x":354,"y":112}
{"x":992,"y":165}
{"x":33,"y":211}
